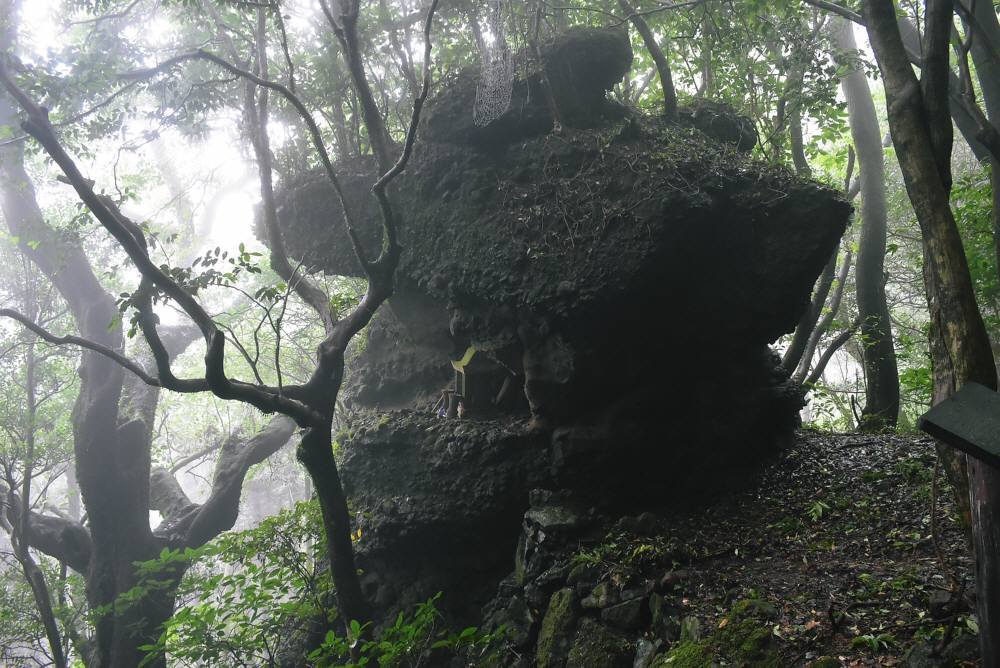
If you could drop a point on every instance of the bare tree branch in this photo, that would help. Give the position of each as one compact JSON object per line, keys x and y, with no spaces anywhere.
{"x":114,"y":355}
{"x":295,"y":101}
{"x":840,"y":10}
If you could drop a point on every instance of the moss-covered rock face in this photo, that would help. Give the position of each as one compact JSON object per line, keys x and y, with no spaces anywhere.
{"x":743,"y":639}
{"x":556,"y":634}
{"x":616,"y":288}
{"x":587,"y":268}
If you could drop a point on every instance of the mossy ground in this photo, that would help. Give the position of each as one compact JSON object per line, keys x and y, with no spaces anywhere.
{"x":837,"y":537}
{"x":829,"y":556}
{"x":743,"y":638}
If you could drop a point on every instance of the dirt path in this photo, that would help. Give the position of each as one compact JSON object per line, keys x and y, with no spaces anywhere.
{"x":837,"y":535}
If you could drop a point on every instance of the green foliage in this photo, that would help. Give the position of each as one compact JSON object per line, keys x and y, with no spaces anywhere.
{"x":972,"y":202}
{"x":874,"y":643}
{"x":817,"y":510}
{"x":244,"y":592}
{"x":406,"y":643}
{"x":624,"y":554}
{"x":744,"y":637}
{"x":247,"y":596}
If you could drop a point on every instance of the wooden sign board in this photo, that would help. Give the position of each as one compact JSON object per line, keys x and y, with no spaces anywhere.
{"x":968,"y":420}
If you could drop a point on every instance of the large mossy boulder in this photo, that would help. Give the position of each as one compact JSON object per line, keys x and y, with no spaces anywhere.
{"x":609,"y":294}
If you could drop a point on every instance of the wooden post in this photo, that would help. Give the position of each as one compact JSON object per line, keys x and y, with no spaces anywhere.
{"x":970,"y":421}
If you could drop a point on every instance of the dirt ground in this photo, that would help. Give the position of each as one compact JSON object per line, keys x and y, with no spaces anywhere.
{"x":838,"y":535}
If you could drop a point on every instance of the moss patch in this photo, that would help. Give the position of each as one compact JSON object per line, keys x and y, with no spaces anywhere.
{"x":557,"y":629}
{"x":743,"y":639}
{"x":596,"y":646}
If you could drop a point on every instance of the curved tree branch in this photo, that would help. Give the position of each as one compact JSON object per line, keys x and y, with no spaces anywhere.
{"x":113,"y":355}
{"x":123,"y":230}
{"x":193,"y":525}
{"x":827,"y":355}
{"x":295,"y":101}
{"x":58,"y":537}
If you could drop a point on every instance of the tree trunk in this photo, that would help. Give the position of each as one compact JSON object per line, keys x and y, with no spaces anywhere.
{"x":984,"y":52}
{"x":662,"y":64}
{"x":882,"y":389}
{"x":964,"y":121}
{"x":795,"y":355}
{"x":920,"y":123}
{"x":316,"y":454}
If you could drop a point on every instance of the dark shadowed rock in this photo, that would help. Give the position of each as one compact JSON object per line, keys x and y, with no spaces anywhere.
{"x":440,"y":503}
{"x":582,"y":65}
{"x":720,"y":122}
{"x":596,"y":646}
{"x":556,"y":634}
{"x":628,"y":615}
{"x":614,"y":289}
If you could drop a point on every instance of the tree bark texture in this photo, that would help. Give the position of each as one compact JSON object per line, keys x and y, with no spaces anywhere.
{"x":918,"y":113}
{"x":881,"y":373}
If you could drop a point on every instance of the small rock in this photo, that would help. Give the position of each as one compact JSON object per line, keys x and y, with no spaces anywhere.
{"x":690,"y":629}
{"x":602,"y":596}
{"x":938,"y":602}
{"x":663,"y":618}
{"x":553,"y":576}
{"x":964,"y":648}
{"x":583,"y":573}
{"x":628,"y":616}
{"x":645,"y":652}
{"x":825,"y":662}
{"x":519,"y":620}
{"x":672,"y":579}
{"x":637,"y":592}
{"x":556,"y":518}
{"x":596,"y":646}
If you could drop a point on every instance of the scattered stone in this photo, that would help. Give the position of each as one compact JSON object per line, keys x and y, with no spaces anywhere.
{"x":963,"y":650}
{"x":596,"y":646}
{"x":938,"y":602}
{"x":720,"y":122}
{"x":690,"y":629}
{"x":556,"y":518}
{"x":581,"y":65}
{"x":583,"y":573}
{"x":825,"y":662}
{"x":745,"y":639}
{"x":519,"y":621}
{"x":672,"y":579}
{"x":663,"y":619}
{"x":645,"y":652}
{"x":602,"y":596}
{"x":628,"y":616}
{"x":645,"y":589}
